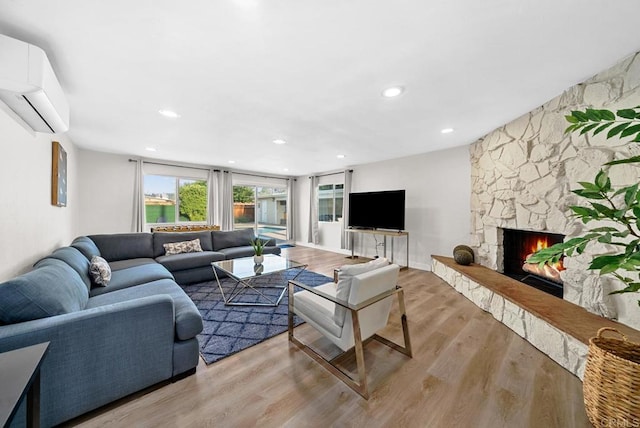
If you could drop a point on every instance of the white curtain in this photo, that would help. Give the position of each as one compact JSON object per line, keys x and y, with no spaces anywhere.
{"x":214,"y":212}
{"x":137,"y":223}
{"x":346,"y":237}
{"x":226,"y":219}
{"x":291,"y":210}
{"x":313,"y":211}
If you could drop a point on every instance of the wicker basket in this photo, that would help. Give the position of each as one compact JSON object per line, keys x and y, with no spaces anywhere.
{"x":611,"y":383}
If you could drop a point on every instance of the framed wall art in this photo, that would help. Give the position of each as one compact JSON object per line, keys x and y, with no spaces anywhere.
{"x":58,"y":176}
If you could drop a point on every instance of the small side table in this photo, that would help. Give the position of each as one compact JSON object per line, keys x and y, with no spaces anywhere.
{"x":20,"y":377}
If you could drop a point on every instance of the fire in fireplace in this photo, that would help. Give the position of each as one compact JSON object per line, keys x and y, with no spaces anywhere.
{"x":518,"y":245}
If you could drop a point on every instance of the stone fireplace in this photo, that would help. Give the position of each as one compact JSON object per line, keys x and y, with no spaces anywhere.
{"x":522,"y":175}
{"x":517,"y":246}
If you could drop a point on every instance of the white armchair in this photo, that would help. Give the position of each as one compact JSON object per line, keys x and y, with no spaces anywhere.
{"x":349,"y":313}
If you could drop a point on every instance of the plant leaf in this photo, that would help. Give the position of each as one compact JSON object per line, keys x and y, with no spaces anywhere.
{"x":630,"y":195}
{"x":617,"y":129}
{"x":581,"y":116}
{"x":602,"y":128}
{"x":626,"y":113}
{"x":588,"y":128}
{"x":607,"y":114}
{"x":571,"y":118}
{"x":609,"y":268}
{"x":593,"y":115}
{"x":633,"y":159}
{"x":630,"y":130}
{"x":601,"y":180}
{"x":588,"y":194}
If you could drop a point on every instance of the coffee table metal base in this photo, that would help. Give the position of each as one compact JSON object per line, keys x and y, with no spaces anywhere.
{"x":243,"y":286}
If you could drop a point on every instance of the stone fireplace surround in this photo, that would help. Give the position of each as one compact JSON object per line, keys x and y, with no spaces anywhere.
{"x":521,"y":177}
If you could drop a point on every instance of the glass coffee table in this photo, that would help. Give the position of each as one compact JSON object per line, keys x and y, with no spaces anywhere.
{"x":246,"y":289}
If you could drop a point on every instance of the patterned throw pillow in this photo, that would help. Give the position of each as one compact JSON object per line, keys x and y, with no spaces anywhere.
{"x":100,"y":271}
{"x":182,"y":247}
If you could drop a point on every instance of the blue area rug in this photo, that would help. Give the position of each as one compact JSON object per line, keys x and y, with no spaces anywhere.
{"x":230,"y":329}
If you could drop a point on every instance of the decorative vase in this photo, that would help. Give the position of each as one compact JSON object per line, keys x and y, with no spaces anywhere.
{"x":463,"y":257}
{"x":258,"y":259}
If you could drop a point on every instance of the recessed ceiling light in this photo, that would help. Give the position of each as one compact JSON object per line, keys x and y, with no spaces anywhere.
{"x":150,"y":149}
{"x":285,"y":169}
{"x":279,"y":141}
{"x":340,"y":156}
{"x":393,"y":91}
{"x":169,"y":113}
{"x":447,"y":130}
{"x":232,"y":161}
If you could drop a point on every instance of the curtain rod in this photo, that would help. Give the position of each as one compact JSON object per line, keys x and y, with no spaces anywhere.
{"x":331,"y":173}
{"x":207,"y":169}
{"x":261,"y":176}
{"x":173,"y":165}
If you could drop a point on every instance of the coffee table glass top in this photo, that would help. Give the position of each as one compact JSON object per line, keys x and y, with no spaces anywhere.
{"x":244,"y":268}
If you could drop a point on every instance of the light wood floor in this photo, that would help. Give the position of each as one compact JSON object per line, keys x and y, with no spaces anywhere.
{"x":468,"y":370}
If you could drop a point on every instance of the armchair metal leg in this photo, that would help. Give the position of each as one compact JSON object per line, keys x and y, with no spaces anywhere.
{"x":358,"y":384}
{"x":406,"y":349}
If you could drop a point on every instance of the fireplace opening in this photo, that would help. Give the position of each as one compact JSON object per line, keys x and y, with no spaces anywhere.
{"x":518,"y":245}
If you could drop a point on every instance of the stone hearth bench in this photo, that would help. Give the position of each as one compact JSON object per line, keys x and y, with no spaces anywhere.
{"x":558,"y":328}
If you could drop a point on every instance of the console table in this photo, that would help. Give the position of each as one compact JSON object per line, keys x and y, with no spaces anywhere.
{"x":21,"y":377}
{"x":385,"y":233}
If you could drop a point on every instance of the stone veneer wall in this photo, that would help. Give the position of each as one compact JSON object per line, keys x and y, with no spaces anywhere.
{"x":522,"y":175}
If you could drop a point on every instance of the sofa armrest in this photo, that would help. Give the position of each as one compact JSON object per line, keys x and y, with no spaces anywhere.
{"x":98,"y":355}
{"x":271,"y":242}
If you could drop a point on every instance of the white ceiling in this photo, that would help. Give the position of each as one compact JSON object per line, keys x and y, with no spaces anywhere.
{"x":242,"y":73}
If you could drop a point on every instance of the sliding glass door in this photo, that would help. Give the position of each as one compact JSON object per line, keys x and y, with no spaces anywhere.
{"x":261,"y":208}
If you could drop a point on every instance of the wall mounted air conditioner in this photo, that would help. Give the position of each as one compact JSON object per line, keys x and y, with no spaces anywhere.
{"x":29,"y":87}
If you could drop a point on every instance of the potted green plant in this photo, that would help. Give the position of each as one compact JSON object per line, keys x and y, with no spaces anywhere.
{"x":619,"y":207}
{"x":258,"y":249}
{"x":613,"y":365}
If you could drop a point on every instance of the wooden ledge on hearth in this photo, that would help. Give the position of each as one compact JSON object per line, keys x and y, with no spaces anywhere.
{"x":565,"y":316}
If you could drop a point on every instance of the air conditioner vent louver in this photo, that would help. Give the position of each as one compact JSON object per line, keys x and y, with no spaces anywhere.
{"x":29,"y":87}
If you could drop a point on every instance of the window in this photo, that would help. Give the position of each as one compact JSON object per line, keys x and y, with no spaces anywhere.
{"x":174,"y":199}
{"x":330,"y":197}
{"x":261,"y":208}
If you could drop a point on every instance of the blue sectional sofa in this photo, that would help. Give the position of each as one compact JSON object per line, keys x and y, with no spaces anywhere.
{"x":107,"y":342}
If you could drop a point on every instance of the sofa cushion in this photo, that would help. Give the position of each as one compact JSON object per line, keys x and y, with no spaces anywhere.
{"x":125,"y":264}
{"x":74,"y":258}
{"x":187,"y":316}
{"x":182,"y":247}
{"x":247,"y":251}
{"x":100,"y":271}
{"x":123,"y":246}
{"x":54,"y":288}
{"x":231,"y":238}
{"x":133,"y":276}
{"x":236,"y":252}
{"x":177,"y":262}
{"x":161,"y":238}
{"x":86,"y":246}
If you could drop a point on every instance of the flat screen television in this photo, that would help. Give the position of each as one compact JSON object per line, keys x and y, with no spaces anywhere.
{"x":377,"y":210}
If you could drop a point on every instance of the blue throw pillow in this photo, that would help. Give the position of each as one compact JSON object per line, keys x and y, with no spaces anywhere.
{"x":52,"y":289}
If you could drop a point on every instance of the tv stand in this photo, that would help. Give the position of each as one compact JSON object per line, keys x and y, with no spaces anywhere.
{"x":385,"y":233}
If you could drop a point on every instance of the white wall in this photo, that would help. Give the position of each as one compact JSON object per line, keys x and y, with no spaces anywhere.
{"x":437,"y":188}
{"x":105,"y":193}
{"x":437,"y":205}
{"x":31,"y":227}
